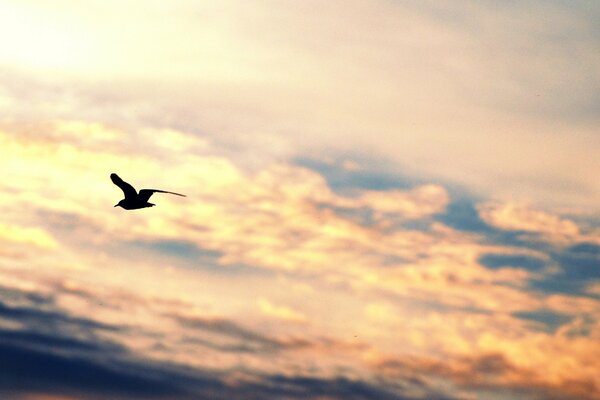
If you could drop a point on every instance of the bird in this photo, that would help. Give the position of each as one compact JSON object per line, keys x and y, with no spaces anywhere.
{"x":134,"y":200}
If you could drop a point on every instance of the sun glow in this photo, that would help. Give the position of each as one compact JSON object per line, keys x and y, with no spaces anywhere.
{"x":34,"y":38}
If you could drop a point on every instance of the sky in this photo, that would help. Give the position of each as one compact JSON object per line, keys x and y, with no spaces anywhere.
{"x":385,"y":200}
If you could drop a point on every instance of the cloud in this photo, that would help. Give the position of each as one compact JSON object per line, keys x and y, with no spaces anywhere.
{"x":49,"y":348}
{"x":418,"y":203}
{"x":521,"y":217}
{"x":493,"y":374}
{"x":439,"y":93}
{"x":34,"y":371}
{"x":228,"y":328}
{"x":281,"y":312}
{"x":399,"y":267}
{"x":360,"y":167}
{"x":27,"y":235}
{"x":90,"y":368}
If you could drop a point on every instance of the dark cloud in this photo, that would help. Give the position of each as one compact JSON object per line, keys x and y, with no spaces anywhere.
{"x":282,"y":387}
{"x":34,"y":371}
{"x":50,"y":319}
{"x":52,"y":352}
{"x":244,"y":339}
{"x":54,"y":341}
{"x":30,"y":370}
{"x":15,"y":295}
{"x":42,"y":326}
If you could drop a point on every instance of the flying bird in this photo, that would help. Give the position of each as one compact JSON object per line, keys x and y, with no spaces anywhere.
{"x":134,"y":200}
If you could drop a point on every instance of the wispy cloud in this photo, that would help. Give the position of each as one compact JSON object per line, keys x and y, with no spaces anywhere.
{"x":457,"y":92}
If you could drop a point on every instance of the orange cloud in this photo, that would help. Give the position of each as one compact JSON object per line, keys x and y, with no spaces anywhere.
{"x":417,"y":203}
{"x":522,"y":217}
{"x":27,"y":235}
{"x":281,"y":312}
{"x":362,"y":288}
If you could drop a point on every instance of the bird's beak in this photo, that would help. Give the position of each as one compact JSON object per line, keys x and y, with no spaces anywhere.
{"x":115,"y":205}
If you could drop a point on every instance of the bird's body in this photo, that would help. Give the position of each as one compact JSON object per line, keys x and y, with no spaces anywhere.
{"x":134,"y":200}
{"x":133,"y":205}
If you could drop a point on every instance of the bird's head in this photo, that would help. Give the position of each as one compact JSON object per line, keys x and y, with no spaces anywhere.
{"x":119,"y":204}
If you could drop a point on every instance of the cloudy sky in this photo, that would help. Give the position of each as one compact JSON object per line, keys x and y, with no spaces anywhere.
{"x":386,"y":199}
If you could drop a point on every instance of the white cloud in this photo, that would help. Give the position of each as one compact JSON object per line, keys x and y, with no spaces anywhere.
{"x":523,"y":217}
{"x":464,"y":93}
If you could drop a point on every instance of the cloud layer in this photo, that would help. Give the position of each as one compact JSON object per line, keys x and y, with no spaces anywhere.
{"x":502,"y":98}
{"x":385,"y":200}
{"x":367,"y":292}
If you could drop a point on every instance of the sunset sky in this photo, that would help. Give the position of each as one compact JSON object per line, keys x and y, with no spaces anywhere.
{"x":386,"y":200}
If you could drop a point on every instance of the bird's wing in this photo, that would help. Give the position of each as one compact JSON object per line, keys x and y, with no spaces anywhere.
{"x":127,"y":189}
{"x":146,"y":193}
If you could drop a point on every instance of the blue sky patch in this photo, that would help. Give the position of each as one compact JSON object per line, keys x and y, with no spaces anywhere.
{"x":545,"y":320}
{"x":342,"y":180}
{"x":495,"y":261}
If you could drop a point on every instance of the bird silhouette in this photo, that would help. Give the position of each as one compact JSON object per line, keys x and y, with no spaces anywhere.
{"x":134,"y":200}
